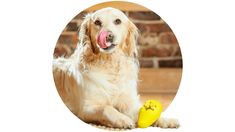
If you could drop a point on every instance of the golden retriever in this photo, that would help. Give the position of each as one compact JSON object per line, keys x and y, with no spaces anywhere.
{"x":99,"y":81}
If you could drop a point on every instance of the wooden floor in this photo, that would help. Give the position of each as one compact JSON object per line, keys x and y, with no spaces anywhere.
{"x":159,"y":84}
{"x":164,"y":98}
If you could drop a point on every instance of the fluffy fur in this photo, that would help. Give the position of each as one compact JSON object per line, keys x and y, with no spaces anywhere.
{"x":98,"y":85}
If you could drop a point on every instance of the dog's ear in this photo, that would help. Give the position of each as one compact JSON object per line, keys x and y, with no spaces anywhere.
{"x":84,"y":30}
{"x":85,"y":34}
{"x":131,"y":40}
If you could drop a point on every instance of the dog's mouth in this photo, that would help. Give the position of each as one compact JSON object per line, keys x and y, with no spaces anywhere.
{"x":109,"y":47}
{"x":105,"y":40}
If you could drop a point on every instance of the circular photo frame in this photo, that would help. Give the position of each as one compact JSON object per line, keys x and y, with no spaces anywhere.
{"x":118,"y":65}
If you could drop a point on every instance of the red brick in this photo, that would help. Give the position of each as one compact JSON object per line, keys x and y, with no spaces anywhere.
{"x":174,"y":63}
{"x":146,"y":63}
{"x":167,"y":38}
{"x":68,"y":38}
{"x":63,"y":50}
{"x":156,"y":27}
{"x":157,"y":52}
{"x":148,"y":39}
{"x":178,"y":52}
{"x":72,"y":26}
{"x":144,"y":15}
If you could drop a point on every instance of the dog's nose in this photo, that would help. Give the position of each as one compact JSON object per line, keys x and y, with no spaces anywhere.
{"x":109,"y":37}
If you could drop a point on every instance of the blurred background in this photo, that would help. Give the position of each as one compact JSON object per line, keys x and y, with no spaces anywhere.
{"x":159,"y":52}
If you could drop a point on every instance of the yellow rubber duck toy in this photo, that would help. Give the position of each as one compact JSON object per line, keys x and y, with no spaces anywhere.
{"x":149,"y":113}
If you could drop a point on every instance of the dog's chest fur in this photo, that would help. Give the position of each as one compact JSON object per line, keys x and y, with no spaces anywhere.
{"x":107,"y":79}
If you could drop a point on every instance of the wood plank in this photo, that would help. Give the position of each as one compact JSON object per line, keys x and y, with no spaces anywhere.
{"x":163,"y":80}
{"x":125,"y":6}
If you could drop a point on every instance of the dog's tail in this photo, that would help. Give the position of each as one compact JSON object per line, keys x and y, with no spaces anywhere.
{"x":68,"y":79}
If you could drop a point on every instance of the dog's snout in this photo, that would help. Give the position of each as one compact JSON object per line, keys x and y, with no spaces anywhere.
{"x":109,"y":37}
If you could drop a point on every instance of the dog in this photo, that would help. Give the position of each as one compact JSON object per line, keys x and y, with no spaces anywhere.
{"x":98,"y":82}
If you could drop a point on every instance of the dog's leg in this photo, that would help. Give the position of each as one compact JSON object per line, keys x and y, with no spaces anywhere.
{"x":130,"y":109}
{"x":166,"y":123}
{"x":129,"y":104}
{"x":108,"y":116}
{"x":118,"y":119}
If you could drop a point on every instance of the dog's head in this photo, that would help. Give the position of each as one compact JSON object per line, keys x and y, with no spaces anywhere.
{"x":107,"y":30}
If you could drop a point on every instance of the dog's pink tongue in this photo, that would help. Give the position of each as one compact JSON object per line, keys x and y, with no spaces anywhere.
{"x":101,"y":39}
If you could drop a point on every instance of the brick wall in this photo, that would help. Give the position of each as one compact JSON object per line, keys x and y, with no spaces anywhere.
{"x":157,"y":44}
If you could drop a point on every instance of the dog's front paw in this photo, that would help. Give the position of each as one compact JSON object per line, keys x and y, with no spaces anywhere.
{"x":167,"y":123}
{"x":124,"y":122}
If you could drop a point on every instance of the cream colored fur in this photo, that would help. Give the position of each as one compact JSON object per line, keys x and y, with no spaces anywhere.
{"x":100,"y":86}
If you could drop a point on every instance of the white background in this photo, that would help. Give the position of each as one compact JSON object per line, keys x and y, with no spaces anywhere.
{"x":29,"y":31}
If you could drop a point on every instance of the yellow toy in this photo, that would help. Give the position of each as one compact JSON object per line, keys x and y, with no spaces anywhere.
{"x":149,"y":113}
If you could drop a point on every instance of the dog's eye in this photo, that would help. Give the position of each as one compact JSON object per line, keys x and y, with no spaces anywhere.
{"x":117,"y":22}
{"x":98,"y":22}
